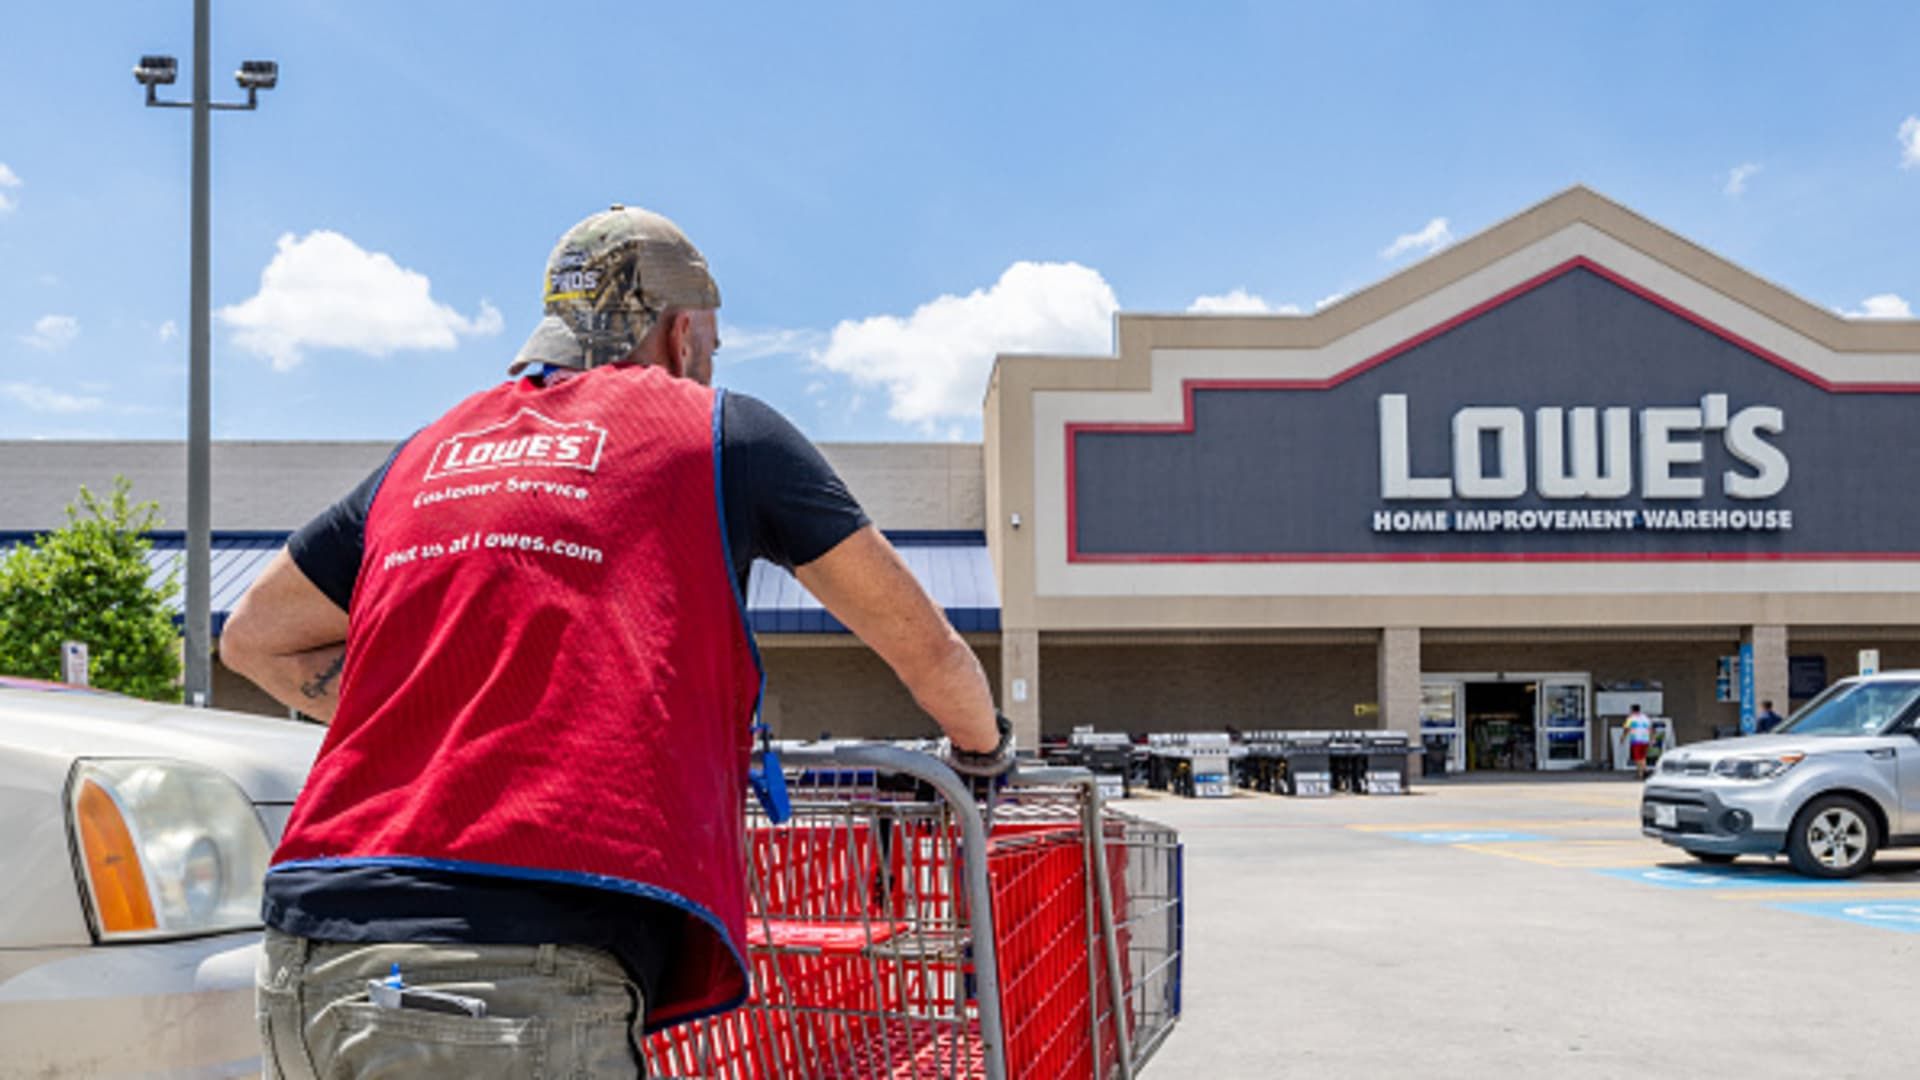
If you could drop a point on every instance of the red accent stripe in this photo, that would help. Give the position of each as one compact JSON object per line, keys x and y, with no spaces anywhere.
{"x":1579,"y":262}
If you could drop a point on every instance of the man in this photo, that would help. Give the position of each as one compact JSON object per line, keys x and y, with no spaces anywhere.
{"x":527,"y":632}
{"x":1767,"y":719}
{"x":1639,"y":736}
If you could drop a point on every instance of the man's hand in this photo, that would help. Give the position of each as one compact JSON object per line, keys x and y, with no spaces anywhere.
{"x":287,"y":636}
{"x":985,"y":766}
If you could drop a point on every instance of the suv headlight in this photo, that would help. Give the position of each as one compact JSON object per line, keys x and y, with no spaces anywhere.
{"x":167,"y":848}
{"x":1756,"y":767}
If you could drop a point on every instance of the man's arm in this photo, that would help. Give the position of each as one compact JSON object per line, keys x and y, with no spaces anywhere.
{"x":863,"y":582}
{"x":290,"y":638}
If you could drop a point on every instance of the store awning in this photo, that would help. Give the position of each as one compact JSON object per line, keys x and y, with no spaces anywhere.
{"x":235,"y":560}
{"x":953,"y":567}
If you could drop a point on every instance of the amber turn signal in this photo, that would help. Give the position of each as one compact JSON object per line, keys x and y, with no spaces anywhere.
{"x":120,"y":897}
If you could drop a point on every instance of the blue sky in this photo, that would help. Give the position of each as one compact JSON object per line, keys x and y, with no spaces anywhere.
{"x":888,"y":193}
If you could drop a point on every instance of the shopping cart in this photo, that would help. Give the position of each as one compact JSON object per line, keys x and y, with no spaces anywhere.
{"x":899,"y":929}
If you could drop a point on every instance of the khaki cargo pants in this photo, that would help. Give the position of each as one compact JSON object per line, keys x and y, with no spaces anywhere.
{"x":553,"y":1011}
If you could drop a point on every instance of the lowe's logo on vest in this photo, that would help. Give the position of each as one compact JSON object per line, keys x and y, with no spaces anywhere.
{"x":1588,"y":453}
{"x":526,"y":439}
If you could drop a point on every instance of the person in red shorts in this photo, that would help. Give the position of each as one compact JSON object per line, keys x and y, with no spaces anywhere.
{"x":1639,"y":731}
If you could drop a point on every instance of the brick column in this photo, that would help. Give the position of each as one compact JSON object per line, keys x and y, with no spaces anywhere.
{"x":1769,"y":667}
{"x":1399,"y":681}
{"x":1020,"y":677}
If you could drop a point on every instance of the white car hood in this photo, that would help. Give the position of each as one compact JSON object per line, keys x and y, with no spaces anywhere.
{"x":1751,"y":745}
{"x":268,"y":757}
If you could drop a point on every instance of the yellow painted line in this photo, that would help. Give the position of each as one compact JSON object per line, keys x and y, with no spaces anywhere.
{"x":1630,"y":803}
{"x":1507,"y":853}
{"x":1492,"y":825}
{"x":1575,"y":854}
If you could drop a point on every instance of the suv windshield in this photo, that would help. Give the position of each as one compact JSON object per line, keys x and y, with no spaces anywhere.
{"x":1853,"y":709}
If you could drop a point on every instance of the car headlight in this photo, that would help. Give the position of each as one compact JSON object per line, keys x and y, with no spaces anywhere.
{"x":168,"y":848}
{"x":1758,"y":767}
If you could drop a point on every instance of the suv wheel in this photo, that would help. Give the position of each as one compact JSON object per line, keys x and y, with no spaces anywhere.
{"x":1832,"y":838}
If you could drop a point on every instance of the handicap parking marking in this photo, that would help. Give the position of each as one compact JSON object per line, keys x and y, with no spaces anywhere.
{"x":1468,"y":836}
{"x":1903,"y":916}
{"x":1723,"y":878}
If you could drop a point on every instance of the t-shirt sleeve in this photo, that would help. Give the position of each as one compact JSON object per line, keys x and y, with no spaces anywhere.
{"x":784,"y":503}
{"x":328,"y":548}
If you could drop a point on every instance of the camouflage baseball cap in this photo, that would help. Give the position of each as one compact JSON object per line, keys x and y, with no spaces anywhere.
{"x":607,"y":282}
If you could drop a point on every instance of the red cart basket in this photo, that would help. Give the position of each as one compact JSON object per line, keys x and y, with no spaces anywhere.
{"x":898,"y":929}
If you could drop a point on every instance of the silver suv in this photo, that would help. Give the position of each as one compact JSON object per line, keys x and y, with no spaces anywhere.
{"x":1830,"y":787}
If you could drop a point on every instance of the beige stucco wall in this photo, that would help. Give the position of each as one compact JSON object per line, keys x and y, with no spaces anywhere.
{"x":1031,"y":400}
{"x":279,"y":485}
{"x":255,"y":485}
{"x":234,"y":691}
{"x":834,"y":685}
{"x":1204,"y":687}
{"x":914,"y":485}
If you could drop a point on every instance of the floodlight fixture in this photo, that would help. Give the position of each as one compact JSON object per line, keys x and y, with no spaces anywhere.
{"x":154,"y":71}
{"x":257,"y":75}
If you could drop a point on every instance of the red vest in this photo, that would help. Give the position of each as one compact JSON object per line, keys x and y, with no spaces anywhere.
{"x":548,"y":671}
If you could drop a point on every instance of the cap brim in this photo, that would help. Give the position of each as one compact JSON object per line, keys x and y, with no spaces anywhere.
{"x":552,"y":343}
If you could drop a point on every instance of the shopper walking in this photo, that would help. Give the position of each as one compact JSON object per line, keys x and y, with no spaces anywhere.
{"x":524,"y":828}
{"x":1639,"y":731}
{"x":1767,"y":719}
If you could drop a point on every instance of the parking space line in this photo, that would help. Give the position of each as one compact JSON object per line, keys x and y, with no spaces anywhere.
{"x":1574,"y":854}
{"x":1486,"y":825}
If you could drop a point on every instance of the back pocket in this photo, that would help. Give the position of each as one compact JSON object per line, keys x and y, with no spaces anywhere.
{"x":372,"y":1043}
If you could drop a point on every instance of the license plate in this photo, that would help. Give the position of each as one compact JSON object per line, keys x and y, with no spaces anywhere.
{"x":1666,"y":817}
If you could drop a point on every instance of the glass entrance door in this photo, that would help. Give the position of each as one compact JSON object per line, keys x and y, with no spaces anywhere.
{"x":1561,"y":722}
{"x":1441,"y":720}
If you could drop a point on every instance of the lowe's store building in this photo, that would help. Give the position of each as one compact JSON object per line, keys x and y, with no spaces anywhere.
{"x":1570,"y":465}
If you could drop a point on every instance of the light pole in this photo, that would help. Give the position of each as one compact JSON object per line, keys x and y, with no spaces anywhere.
{"x":254,"y":76}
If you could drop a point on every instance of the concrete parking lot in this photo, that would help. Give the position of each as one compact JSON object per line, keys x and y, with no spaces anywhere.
{"x":1524,"y":929}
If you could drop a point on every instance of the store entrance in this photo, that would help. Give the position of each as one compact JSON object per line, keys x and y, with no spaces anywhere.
{"x":1504,"y":720}
{"x":1500,"y":725}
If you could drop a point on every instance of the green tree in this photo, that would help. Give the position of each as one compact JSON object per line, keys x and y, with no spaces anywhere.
{"x":87,"y":581}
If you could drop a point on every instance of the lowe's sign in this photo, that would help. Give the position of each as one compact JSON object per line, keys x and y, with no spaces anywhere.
{"x":1578,"y":418}
{"x":1592,"y":454}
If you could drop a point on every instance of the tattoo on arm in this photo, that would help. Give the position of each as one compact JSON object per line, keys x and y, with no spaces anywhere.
{"x":322,"y":684}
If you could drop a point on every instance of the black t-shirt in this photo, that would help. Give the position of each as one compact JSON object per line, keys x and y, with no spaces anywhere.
{"x":782,"y":503}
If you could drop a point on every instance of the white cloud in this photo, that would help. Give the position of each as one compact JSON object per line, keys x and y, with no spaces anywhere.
{"x":1428,"y":240}
{"x":45,"y":399}
{"x":1738,"y":176}
{"x":169,"y":330}
{"x":1239,"y":302}
{"x":934,"y":362}
{"x":739,"y":344}
{"x":1328,"y":301}
{"x":51,"y":333}
{"x":1910,"y":142}
{"x":9,"y":181}
{"x":1882,"y":306}
{"x":323,"y":291}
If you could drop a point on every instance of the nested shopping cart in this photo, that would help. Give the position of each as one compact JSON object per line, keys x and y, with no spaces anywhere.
{"x":899,"y":929}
